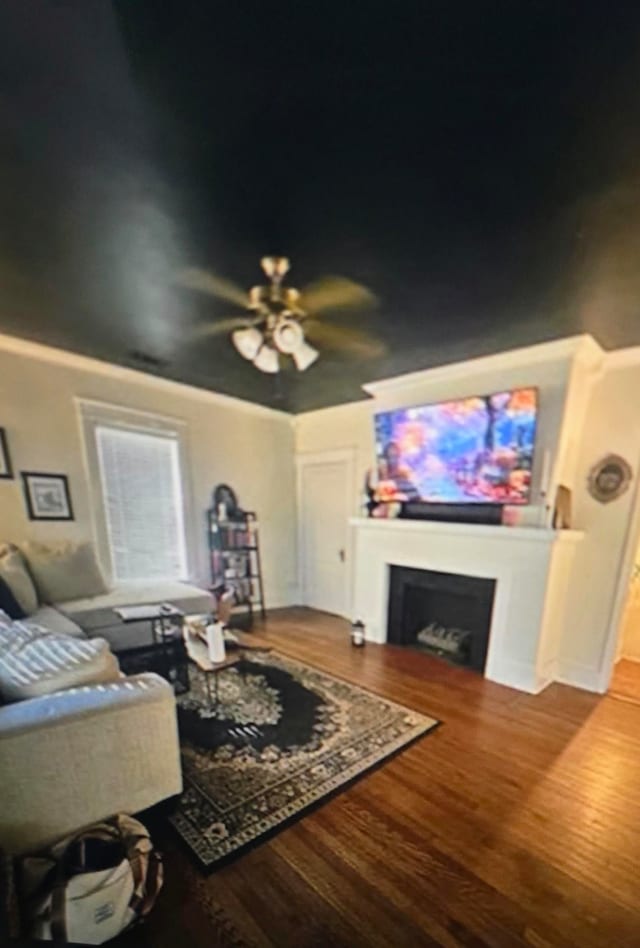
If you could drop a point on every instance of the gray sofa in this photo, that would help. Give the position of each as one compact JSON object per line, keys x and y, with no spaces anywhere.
{"x":94,"y":615}
{"x":78,"y":755}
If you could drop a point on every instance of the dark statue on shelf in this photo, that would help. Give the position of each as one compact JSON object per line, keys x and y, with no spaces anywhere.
{"x":225,"y":500}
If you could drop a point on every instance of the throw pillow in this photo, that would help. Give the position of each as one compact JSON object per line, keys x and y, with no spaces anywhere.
{"x":14,"y":572}
{"x":13,"y":635}
{"x":8,"y":602}
{"x":66,"y":571}
{"x":47,"y":663}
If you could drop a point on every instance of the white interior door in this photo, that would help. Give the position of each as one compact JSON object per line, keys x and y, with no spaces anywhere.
{"x":324,"y":531}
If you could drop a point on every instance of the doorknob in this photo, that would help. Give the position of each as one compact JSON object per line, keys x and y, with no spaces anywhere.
{"x":342,"y":556}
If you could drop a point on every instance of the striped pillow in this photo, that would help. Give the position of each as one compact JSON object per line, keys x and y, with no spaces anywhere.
{"x":13,"y":635}
{"x":36,"y":662}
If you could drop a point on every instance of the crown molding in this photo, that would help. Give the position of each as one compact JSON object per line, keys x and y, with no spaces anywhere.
{"x":583,"y":345}
{"x":82,"y":363}
{"x":622,"y":359}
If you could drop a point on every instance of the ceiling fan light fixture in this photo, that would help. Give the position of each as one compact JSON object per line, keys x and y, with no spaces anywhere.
{"x":279,"y":316}
{"x":267,"y":360}
{"x":291,"y":296}
{"x":288,"y":336}
{"x":304,"y":356}
{"x":257,"y":297}
{"x":275,"y":267}
{"x":247,"y":342}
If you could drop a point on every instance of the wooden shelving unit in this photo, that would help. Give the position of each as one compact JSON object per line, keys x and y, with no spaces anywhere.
{"x":234,"y":555}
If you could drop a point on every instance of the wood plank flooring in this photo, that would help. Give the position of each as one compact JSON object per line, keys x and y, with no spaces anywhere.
{"x":625,"y":681}
{"x":517,"y":822}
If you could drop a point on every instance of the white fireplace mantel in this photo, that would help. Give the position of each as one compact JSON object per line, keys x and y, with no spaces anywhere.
{"x":531,"y":567}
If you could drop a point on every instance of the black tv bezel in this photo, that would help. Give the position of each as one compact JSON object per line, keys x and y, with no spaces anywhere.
{"x":461,"y":398}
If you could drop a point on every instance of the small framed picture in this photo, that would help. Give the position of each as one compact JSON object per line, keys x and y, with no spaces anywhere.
{"x":47,"y":496}
{"x":5,"y":460}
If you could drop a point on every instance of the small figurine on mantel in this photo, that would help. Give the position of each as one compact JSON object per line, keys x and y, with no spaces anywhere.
{"x":382,"y":497}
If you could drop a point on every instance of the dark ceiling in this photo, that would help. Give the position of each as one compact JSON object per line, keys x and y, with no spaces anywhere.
{"x":475,"y":163}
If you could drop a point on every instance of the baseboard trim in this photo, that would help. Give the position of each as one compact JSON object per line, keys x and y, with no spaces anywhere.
{"x":514,"y":674}
{"x":579,"y":676}
{"x":284,"y":602}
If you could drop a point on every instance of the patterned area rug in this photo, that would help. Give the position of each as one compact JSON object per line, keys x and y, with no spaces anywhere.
{"x":282,"y":737}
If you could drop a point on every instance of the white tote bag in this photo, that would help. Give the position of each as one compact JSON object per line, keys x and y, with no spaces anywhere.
{"x":69,"y":899}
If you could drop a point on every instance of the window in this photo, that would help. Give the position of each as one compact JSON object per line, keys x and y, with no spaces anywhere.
{"x":143,"y":502}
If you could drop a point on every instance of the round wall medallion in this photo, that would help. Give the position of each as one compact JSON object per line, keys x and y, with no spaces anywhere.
{"x":609,"y":478}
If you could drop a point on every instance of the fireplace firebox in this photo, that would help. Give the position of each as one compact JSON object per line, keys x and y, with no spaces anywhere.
{"x":446,"y":614}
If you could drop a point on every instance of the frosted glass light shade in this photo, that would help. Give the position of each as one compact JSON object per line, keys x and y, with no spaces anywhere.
{"x":288,"y":336}
{"x":247,"y":342}
{"x":267,"y":360}
{"x":304,"y":356}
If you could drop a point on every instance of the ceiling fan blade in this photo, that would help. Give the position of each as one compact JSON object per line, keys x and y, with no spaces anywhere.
{"x":205,"y":282}
{"x":222,"y":326}
{"x":352,"y":341}
{"x":335,"y":292}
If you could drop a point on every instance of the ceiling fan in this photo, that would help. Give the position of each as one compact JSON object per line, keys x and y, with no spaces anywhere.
{"x":281,"y":319}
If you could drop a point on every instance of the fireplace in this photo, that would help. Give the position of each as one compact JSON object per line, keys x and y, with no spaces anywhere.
{"x":445,"y":614}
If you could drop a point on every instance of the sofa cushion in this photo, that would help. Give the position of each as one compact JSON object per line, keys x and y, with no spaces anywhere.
{"x":65,"y":570}
{"x":43,"y":663}
{"x":14,"y":572}
{"x":96,"y":612}
{"x":55,"y":621}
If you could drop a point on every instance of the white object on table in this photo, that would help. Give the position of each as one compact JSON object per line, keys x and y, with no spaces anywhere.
{"x":215,"y":642}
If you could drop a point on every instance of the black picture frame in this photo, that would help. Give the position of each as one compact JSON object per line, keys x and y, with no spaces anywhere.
{"x":6,"y":471}
{"x":34,"y":504}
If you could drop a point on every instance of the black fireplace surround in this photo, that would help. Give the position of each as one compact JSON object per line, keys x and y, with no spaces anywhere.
{"x":446,"y":614}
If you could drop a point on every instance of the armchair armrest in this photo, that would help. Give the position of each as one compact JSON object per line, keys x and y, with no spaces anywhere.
{"x":56,"y":709}
{"x":77,"y":756}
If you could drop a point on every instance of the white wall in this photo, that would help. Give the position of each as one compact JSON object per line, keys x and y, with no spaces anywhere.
{"x":253,"y":449}
{"x":611,"y":425}
{"x":228,"y":440}
{"x":344,"y":426}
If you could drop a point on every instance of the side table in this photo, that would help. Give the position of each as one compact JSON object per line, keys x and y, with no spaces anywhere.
{"x":163,"y":651}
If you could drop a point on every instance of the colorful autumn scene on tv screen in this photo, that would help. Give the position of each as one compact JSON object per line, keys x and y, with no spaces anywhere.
{"x":472,"y":450}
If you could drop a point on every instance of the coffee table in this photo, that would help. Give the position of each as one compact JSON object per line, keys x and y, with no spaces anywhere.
{"x":197,"y":651}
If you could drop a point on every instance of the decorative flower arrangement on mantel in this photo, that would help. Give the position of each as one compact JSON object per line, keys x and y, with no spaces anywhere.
{"x":384,"y":500}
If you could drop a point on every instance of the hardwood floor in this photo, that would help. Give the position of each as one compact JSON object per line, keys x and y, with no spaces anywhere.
{"x":625,"y":682}
{"x":517,"y":822}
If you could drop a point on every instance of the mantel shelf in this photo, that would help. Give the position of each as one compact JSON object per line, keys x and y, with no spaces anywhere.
{"x":528,"y":534}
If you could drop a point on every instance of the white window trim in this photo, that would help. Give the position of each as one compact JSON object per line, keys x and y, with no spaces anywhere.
{"x":91,"y":414}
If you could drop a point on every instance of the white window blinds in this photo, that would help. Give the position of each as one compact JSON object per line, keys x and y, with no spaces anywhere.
{"x":143,"y":502}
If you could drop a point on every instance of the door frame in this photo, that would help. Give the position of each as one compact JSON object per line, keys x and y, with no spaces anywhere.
{"x":626,"y":562}
{"x":307,"y":459}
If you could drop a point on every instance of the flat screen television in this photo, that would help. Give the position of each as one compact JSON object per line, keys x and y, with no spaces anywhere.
{"x":476,"y":450}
